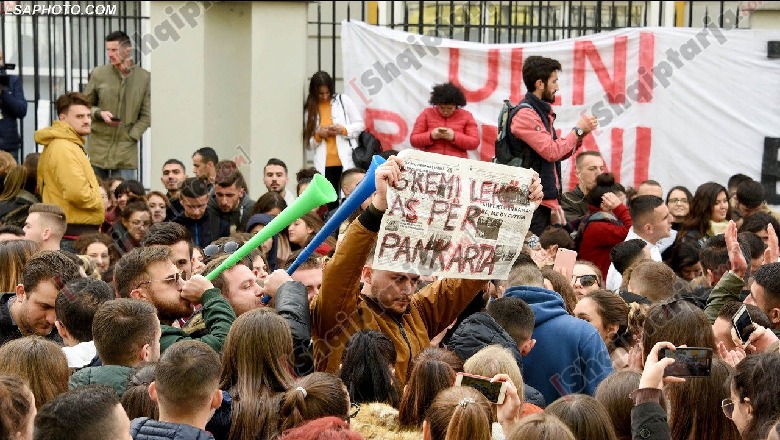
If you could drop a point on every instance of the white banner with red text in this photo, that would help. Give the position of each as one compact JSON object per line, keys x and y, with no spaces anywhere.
{"x":679,"y":105}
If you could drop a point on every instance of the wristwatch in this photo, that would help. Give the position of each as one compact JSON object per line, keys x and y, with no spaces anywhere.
{"x":579,"y":132}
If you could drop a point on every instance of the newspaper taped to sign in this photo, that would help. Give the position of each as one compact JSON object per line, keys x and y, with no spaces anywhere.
{"x":454,"y":218}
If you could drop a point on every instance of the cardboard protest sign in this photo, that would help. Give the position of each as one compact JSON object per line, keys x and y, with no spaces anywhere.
{"x":453,"y":217}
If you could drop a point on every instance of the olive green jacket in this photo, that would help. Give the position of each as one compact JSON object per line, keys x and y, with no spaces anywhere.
{"x":128,"y":98}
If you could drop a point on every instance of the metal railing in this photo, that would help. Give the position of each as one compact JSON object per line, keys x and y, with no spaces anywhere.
{"x":55,"y":49}
{"x":502,"y":21}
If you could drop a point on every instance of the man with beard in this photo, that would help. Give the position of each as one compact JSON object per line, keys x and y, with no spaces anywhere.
{"x":275,"y":179}
{"x":389,"y":301}
{"x":149,"y":274}
{"x":173,"y":176}
{"x":65,"y":175}
{"x":533,"y":130}
{"x":29,"y":310}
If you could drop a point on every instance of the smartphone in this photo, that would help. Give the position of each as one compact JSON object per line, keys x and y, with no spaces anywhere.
{"x":115,"y":119}
{"x":494,"y":392}
{"x":743,"y":324}
{"x":688,"y":361}
{"x":564,"y":261}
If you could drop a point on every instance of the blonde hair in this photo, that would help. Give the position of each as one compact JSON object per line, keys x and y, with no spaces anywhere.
{"x":541,"y":426}
{"x":7,"y":161}
{"x":89,"y":267}
{"x":492,"y":360}
{"x":28,"y":357}
{"x":459,"y":413}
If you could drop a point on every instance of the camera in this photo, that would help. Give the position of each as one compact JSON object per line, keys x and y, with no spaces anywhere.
{"x":5,"y":79}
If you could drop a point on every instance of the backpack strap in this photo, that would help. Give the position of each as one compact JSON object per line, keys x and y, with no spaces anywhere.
{"x":346,"y":121}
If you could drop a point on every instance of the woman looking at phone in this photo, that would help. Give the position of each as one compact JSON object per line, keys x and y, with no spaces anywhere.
{"x":332,"y":120}
{"x":753,"y":406}
{"x":445,"y":127}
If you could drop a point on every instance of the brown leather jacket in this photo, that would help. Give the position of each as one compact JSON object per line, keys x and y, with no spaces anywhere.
{"x":340,"y":310}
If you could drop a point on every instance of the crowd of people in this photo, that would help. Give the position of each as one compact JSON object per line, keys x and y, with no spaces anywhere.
{"x":116,"y":323}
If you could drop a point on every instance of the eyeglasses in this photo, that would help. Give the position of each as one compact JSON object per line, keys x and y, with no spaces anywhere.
{"x":173,"y":280}
{"x":585,"y":280}
{"x":212,"y":249}
{"x":727,"y":405}
{"x":354,"y":409}
{"x":683,"y":201}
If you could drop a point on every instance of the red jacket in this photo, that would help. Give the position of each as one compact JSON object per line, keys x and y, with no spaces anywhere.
{"x":600,"y":237}
{"x":461,"y":122}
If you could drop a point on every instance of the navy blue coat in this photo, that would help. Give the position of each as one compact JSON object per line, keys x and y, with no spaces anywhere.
{"x":14,"y":107}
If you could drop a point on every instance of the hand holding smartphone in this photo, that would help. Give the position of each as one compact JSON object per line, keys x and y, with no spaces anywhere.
{"x":494,"y":392}
{"x":688,"y":361}
{"x":564,"y":262}
{"x":743,"y":324}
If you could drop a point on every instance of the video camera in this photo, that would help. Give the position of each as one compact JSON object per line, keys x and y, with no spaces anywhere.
{"x":5,"y":79}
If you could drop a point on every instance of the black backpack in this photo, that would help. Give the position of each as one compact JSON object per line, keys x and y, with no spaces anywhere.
{"x":509,"y":150}
{"x":367,"y":145}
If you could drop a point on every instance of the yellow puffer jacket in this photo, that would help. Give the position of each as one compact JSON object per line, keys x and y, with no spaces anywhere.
{"x":65,"y":176}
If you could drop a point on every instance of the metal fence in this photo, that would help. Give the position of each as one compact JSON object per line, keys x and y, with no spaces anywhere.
{"x":502,"y":21}
{"x":54,"y":49}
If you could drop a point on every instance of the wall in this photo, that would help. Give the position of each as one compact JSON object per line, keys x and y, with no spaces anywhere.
{"x":233,"y":79}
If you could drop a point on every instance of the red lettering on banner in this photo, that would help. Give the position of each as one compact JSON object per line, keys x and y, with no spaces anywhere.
{"x":642,"y":162}
{"x":617,"y":153}
{"x":614,"y":86}
{"x":516,"y":75}
{"x":492,"y":75}
{"x":488,"y":148}
{"x":388,"y":140}
{"x":646,"y":60}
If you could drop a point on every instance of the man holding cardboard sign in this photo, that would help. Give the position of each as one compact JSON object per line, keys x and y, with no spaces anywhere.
{"x":389,"y":300}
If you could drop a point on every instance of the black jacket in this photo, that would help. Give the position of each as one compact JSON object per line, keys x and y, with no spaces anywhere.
{"x":480,"y":330}
{"x":8,"y":330}
{"x":13,"y":107}
{"x":292,"y":303}
{"x":238,"y":217}
{"x":206,"y":229}
{"x":648,"y":422}
{"x":144,"y":428}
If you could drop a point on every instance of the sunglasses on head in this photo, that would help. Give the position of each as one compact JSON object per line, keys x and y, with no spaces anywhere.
{"x":586,"y":280}
{"x":213,"y":249}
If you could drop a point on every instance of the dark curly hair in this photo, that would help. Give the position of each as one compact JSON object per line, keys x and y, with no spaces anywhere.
{"x":447,"y":93}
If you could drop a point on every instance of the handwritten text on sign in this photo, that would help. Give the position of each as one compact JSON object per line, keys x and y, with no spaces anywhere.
{"x":454,"y":217}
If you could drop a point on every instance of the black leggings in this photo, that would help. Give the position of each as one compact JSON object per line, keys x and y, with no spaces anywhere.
{"x":333,"y":174}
